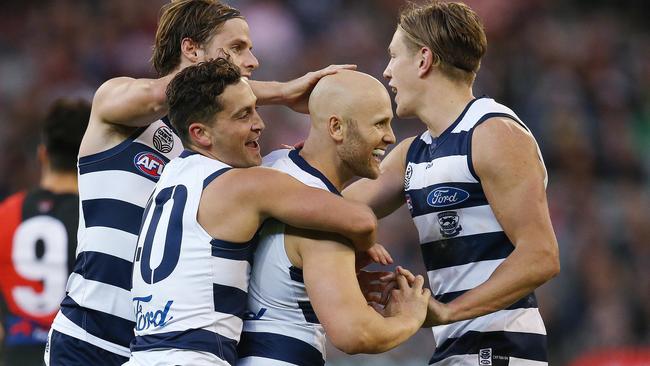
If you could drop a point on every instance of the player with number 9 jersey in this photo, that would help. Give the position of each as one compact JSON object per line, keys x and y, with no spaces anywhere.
{"x":38,"y":238}
{"x":37,"y":245}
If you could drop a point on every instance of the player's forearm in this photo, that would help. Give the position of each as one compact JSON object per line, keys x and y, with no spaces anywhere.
{"x":351,"y":220}
{"x":372,"y":333}
{"x":268,"y":92}
{"x":517,"y":276}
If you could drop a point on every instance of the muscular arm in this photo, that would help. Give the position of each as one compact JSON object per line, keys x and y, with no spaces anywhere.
{"x":385,"y":194}
{"x":131,"y":102}
{"x":295,"y":93}
{"x":119,"y":106}
{"x":512,"y":176}
{"x":252,"y":195}
{"x":350,"y":323}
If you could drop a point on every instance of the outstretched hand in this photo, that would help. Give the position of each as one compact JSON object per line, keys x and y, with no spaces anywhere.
{"x":296,"y":92}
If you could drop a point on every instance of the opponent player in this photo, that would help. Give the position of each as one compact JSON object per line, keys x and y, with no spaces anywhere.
{"x":474,"y":183}
{"x":126,"y":146}
{"x":191,"y":266}
{"x":37,"y":240}
{"x":303,"y":284}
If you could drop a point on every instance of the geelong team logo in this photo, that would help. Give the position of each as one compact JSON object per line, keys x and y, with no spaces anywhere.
{"x":163,"y":139}
{"x":149,"y":163}
{"x":446,"y":196}
{"x":449,"y":222}
{"x":485,"y":357}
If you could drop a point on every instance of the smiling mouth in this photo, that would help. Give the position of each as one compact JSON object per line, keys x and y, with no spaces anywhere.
{"x":253,"y":144}
{"x":378,"y":154}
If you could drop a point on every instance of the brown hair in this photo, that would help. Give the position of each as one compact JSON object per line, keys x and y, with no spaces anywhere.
{"x":193,"y":94}
{"x":63,"y":128}
{"x":198,"y":20}
{"x":452,"y":31}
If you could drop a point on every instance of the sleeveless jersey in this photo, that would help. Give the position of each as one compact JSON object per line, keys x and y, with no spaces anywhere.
{"x":189,"y":289}
{"x":37,"y":246}
{"x":281,"y":326}
{"x":114,"y":186}
{"x":462,"y":243}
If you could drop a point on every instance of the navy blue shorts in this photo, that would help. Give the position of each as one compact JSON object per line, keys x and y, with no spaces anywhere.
{"x":69,"y":351}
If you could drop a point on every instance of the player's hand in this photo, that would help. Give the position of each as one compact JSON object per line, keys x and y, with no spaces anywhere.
{"x":296,"y":92}
{"x":410,"y":277}
{"x":438,"y":313}
{"x":409,"y":302}
{"x":377,"y":254}
{"x":297,"y":145}
{"x":376,"y":285}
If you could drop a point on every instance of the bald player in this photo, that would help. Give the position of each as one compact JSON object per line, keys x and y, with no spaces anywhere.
{"x":303,"y":284}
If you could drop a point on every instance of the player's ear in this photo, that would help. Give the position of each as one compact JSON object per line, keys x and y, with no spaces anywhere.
{"x":200,"y":135}
{"x":335,"y":127}
{"x":427,"y":59}
{"x":191,"y":50}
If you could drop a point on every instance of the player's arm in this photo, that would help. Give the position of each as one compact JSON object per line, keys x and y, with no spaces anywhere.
{"x":131,"y":102}
{"x":386,"y":193}
{"x":275,"y":194}
{"x":350,"y":323}
{"x":295,"y":93}
{"x":512,"y":175}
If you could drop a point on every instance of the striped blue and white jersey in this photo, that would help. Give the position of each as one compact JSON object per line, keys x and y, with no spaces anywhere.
{"x":114,"y":186}
{"x":462,"y":243}
{"x":281,"y":327}
{"x":189,"y":289}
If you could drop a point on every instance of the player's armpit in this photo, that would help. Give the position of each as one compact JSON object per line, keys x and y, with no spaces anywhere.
{"x":386,"y":193}
{"x":288,"y":200}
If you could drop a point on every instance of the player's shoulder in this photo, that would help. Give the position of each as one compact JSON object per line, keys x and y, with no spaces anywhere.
{"x":13,"y":202}
{"x":502,"y":132}
{"x":275,"y":157}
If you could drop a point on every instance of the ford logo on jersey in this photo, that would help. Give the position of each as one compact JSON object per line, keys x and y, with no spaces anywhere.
{"x":446,"y":196}
{"x":155,"y":317}
{"x":149,"y":163}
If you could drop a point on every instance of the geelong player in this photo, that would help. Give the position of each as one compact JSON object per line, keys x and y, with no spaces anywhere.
{"x":474,"y":183}
{"x":192,"y":261}
{"x":303,"y":284}
{"x":128,"y":142}
{"x":38,"y":238}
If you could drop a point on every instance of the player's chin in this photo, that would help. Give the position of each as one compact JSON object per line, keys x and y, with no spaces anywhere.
{"x":255,"y":160}
{"x":371,"y":171}
{"x":402,"y":111}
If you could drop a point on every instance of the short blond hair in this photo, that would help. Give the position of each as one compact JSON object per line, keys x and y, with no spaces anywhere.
{"x":451,"y":30}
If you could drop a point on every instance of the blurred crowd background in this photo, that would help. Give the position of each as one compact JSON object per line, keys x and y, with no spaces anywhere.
{"x":577,"y":72}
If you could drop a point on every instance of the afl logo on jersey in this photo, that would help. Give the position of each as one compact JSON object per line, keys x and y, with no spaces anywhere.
{"x":149,"y":163}
{"x":446,"y":196}
{"x":163,"y":139}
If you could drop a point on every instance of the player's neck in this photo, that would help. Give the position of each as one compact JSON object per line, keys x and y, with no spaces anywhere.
{"x":442,"y":103}
{"x":326,"y":161}
{"x":59,"y":182}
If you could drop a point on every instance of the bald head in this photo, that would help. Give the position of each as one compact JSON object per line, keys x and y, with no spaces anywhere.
{"x":347,"y":95}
